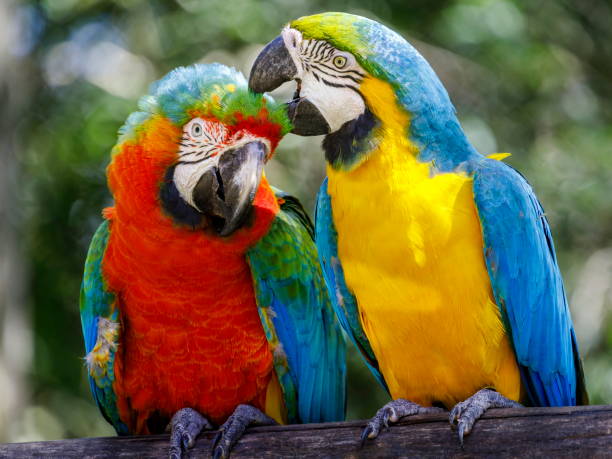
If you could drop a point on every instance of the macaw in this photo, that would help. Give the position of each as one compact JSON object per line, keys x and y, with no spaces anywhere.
{"x":439,"y":260}
{"x":203,"y":303}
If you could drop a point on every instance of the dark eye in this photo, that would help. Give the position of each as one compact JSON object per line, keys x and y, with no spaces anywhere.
{"x":339,"y":61}
{"x":196,"y":130}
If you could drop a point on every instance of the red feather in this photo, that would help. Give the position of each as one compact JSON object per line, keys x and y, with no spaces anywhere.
{"x":191,"y":335}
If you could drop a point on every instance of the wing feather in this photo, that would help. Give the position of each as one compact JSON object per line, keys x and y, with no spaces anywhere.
{"x":527,"y":285}
{"x":309,"y":350}
{"x":344,"y":302}
{"x":99,"y":320}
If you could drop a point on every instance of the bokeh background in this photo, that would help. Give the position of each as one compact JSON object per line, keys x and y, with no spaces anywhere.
{"x":532,"y":78}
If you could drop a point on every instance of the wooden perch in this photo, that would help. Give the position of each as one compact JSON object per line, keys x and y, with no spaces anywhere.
{"x":550,"y":432}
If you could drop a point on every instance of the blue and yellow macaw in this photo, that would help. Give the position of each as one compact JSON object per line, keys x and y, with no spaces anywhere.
{"x":440,"y":260}
{"x":203,"y":304}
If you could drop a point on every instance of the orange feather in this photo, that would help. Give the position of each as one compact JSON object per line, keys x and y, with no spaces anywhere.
{"x":190,"y":331}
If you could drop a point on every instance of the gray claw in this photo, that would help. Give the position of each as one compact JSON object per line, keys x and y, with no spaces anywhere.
{"x":231,"y":431}
{"x":186,"y":425}
{"x":217,"y":452}
{"x":455,"y":413}
{"x":462,"y":431}
{"x":364,"y":435}
{"x":464,"y":414}
{"x":390,"y":414}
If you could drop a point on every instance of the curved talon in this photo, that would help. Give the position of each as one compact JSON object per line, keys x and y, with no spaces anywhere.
{"x":364,"y":435}
{"x":231,"y":431}
{"x":455,"y":414}
{"x":390,"y":417}
{"x":464,"y":414}
{"x":371,"y":430}
{"x":215,"y":442}
{"x":185,"y":426}
{"x":218,"y":452}
{"x":187,"y":440}
{"x":391,"y":413}
{"x":462,"y":430}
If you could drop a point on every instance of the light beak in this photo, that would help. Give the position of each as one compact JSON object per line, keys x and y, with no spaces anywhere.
{"x":273,"y":67}
{"x":226,"y":193}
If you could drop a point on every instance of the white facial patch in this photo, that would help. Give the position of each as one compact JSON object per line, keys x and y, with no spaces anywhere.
{"x":200,"y":148}
{"x":328,"y":78}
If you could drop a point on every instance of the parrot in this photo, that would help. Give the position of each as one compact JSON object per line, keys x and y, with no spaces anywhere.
{"x":439,"y":260}
{"x":203,"y":303}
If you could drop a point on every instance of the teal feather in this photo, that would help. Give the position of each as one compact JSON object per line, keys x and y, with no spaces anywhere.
{"x":343,"y":300}
{"x":309,"y":349}
{"x":527,"y":285}
{"x":213,"y":89}
{"x":97,"y":303}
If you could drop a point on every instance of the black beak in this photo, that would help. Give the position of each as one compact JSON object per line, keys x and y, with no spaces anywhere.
{"x":273,"y":67}
{"x":225,"y":193}
{"x":306,"y":118}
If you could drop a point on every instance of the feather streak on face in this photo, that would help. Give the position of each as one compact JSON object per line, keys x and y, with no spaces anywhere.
{"x":329,"y":78}
{"x":200,"y":145}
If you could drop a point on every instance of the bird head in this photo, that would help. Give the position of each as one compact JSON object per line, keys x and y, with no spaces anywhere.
{"x":196,"y":149}
{"x":353,"y":75}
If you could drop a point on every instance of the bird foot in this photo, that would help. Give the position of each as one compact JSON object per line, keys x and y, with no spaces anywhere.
{"x":186,"y":425}
{"x":231,"y":431}
{"x":465,"y":414}
{"x":391,"y":413}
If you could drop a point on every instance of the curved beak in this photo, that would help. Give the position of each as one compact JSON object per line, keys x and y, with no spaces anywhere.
{"x":306,"y":118}
{"x":273,"y":67}
{"x":226,"y":192}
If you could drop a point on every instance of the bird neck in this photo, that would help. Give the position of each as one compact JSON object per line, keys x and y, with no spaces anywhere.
{"x":136,"y":178}
{"x":350,"y":145}
{"x":429,"y":134}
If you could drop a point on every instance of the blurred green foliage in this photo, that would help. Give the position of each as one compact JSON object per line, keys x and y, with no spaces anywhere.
{"x":531,"y":78}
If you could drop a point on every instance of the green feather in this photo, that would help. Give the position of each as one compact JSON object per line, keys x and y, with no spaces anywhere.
{"x":297,"y":316}
{"x":210,"y":89}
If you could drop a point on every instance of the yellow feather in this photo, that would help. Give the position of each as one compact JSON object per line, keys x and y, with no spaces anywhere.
{"x":411,"y":248}
{"x":499,"y":156}
{"x":275,"y":403}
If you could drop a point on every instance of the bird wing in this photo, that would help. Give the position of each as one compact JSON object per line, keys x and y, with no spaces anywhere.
{"x":344,"y":302}
{"x":527,"y":285}
{"x":100,"y":322}
{"x":294,"y":307}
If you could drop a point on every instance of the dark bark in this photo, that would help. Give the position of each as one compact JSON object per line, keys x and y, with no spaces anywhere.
{"x":550,"y":432}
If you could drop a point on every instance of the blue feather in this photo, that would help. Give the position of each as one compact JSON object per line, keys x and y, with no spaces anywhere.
{"x":97,"y":302}
{"x":296,"y":313}
{"x":434,"y":126}
{"x":527,"y":284}
{"x":343,"y":300}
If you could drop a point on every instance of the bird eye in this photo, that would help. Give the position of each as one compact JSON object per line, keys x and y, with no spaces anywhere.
{"x":196,"y":130}
{"x":339,"y":61}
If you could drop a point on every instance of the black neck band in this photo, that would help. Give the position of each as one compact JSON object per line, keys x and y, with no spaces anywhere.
{"x":347,"y":144}
{"x":175,"y":206}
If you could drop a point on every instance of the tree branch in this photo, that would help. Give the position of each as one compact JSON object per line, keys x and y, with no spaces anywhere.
{"x":552,"y":432}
